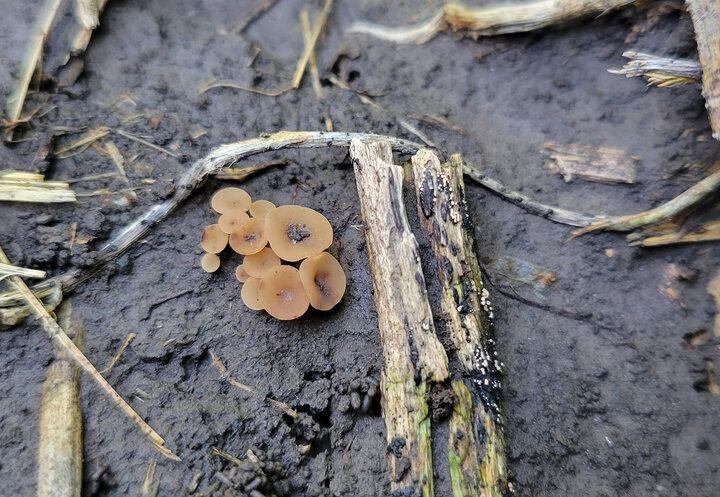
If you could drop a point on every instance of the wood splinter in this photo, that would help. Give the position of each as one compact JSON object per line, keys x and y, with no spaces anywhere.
{"x":476,"y":446}
{"x":412,"y":354}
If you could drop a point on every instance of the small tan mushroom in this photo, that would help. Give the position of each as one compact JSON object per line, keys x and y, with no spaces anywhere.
{"x":324,"y":280}
{"x":230,"y":199}
{"x":232,"y":220}
{"x":256,"y":265}
{"x":214,"y":240}
{"x":260,"y":208}
{"x":296,"y":232}
{"x":210,"y":262}
{"x":282,"y":293}
{"x":249,"y":238}
{"x":241,"y":274}
{"x":249,"y":294}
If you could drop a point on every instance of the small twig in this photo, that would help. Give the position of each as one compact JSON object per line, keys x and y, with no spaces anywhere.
{"x":60,"y":338}
{"x":225,"y":455}
{"x":145,"y":142}
{"x":119,"y":353}
{"x":307,"y":34}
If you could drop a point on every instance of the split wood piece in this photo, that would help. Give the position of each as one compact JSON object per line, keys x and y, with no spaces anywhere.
{"x":493,"y":19}
{"x":600,"y":164}
{"x":705,"y":15}
{"x":661,"y":71}
{"x":60,"y":449}
{"x":445,"y":220}
{"x":412,"y":354}
{"x":689,"y":199}
{"x":60,"y":338}
{"x":20,"y":186}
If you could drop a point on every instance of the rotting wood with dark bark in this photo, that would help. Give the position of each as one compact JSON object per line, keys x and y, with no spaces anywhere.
{"x":412,"y":354}
{"x":705,"y":16}
{"x":477,"y":469}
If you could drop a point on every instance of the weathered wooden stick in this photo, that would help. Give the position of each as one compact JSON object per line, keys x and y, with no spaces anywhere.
{"x":60,"y":450}
{"x":412,"y":354}
{"x":705,"y":16}
{"x":445,"y":219}
{"x":661,"y":71}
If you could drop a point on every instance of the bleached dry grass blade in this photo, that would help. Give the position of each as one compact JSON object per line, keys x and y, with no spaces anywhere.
{"x":19,"y":186}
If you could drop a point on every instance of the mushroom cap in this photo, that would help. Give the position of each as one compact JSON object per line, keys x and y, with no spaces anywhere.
{"x":210,"y":262}
{"x":296,"y":232}
{"x":249,"y":238}
{"x":232,"y":220}
{"x":214,"y":240}
{"x":324,"y":280}
{"x":282,"y":293}
{"x":249,"y":294}
{"x":260,"y":208}
{"x":241,"y":275}
{"x":230,"y":199}
{"x":256,"y":265}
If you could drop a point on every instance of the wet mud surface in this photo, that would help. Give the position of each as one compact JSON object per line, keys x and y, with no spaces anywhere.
{"x":614,"y":405}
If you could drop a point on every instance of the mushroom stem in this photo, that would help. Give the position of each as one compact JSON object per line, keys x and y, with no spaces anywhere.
{"x":412,"y":354}
{"x":446,"y":222}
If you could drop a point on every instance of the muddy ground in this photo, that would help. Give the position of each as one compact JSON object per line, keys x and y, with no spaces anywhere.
{"x":601,"y":411}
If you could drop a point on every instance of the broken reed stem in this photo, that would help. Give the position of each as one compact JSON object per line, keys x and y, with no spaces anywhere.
{"x":412,"y":354}
{"x":60,"y":338}
{"x":60,"y":448}
{"x":493,"y":19}
{"x":8,"y":270}
{"x":307,"y":35}
{"x":661,"y":71}
{"x":21,"y":186}
{"x":705,"y":15}
{"x":477,"y":470}
{"x":690,"y":198}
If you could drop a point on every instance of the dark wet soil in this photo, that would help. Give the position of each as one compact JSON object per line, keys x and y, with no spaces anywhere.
{"x":618,"y":409}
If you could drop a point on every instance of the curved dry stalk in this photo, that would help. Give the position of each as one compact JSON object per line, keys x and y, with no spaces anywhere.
{"x":690,"y":198}
{"x":489,"y":20}
{"x":661,"y":71}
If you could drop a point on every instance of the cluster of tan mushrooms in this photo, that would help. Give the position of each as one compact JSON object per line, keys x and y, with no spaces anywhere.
{"x":295,"y":233}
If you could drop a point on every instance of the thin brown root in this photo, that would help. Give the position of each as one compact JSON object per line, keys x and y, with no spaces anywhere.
{"x":120,"y":352}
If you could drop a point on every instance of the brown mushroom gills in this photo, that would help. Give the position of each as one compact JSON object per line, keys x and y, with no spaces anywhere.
{"x":210,"y":262}
{"x":260,"y":208}
{"x":241,"y":275}
{"x":214,"y":240}
{"x":230,"y":199}
{"x":324,"y":280}
{"x":232,"y":220}
{"x":282,"y":293}
{"x":249,"y":238}
{"x":297,"y":232}
{"x":249,"y":294}
{"x":256,"y":265}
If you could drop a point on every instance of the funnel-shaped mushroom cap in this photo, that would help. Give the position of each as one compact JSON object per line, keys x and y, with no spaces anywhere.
{"x":260,"y":208}
{"x":282,"y":293}
{"x":232,"y":220}
{"x":240,"y":273}
{"x":249,"y":294}
{"x":296,"y":232}
{"x":230,"y":199}
{"x":214,"y":240}
{"x":249,"y":238}
{"x":210,"y":262}
{"x":256,"y":265}
{"x":324,"y":280}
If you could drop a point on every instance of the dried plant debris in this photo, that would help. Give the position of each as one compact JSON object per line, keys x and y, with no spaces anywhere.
{"x":600,"y":164}
{"x":713,"y":289}
{"x":64,"y":28}
{"x":255,"y":475}
{"x":660,"y":71}
{"x":490,"y":20}
{"x":518,"y":270}
{"x":19,"y":186}
{"x":672,"y":234}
